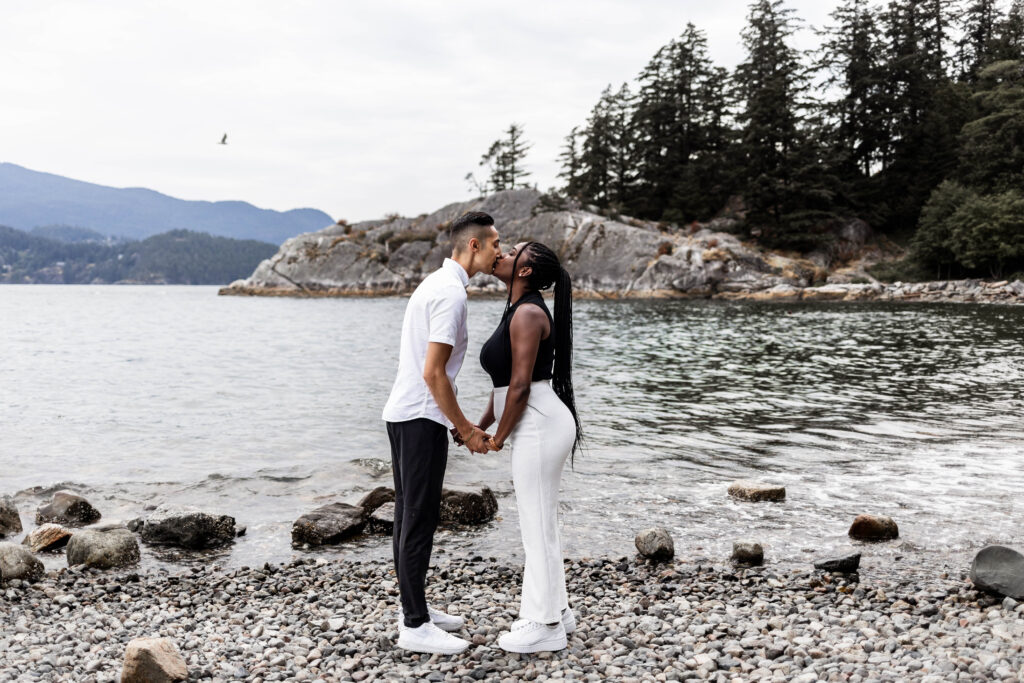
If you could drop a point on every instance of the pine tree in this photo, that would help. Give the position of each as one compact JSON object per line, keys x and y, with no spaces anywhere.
{"x":504,"y":160}
{"x":597,"y":152}
{"x":979,"y":23}
{"x":1009,"y":40}
{"x":571,"y":164}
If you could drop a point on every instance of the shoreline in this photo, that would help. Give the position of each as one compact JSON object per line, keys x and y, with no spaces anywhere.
{"x":314,"y":619}
{"x":938,"y":291}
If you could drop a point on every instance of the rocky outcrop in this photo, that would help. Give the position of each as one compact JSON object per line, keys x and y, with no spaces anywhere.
{"x":757,"y":492}
{"x":328,"y":524}
{"x":874,"y":528}
{"x":382,"y":521}
{"x":69,"y":509}
{"x":10,"y":520}
{"x":185,"y":527}
{"x":607,"y":257}
{"x":16,"y":562}
{"x":153,"y":660}
{"x":47,"y":537}
{"x":1000,"y":570}
{"x":655,"y":544}
{"x":103,"y":548}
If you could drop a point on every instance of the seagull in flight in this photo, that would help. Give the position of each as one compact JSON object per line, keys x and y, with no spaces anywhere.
{"x":224,"y":140}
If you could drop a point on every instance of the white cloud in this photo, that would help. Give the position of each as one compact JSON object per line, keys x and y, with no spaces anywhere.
{"x":358,"y":109}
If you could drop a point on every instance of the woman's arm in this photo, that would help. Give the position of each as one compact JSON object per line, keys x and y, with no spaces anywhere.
{"x":529,"y":323}
{"x":488,"y":417}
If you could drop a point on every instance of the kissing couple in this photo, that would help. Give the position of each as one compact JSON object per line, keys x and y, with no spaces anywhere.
{"x":529,"y":360}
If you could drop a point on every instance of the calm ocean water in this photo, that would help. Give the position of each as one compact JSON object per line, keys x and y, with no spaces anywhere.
{"x":266,"y":408}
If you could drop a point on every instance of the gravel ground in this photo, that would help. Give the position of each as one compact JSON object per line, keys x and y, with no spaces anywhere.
{"x":334,"y":620}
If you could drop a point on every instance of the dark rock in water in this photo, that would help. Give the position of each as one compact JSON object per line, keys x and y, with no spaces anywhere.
{"x":382,"y":521}
{"x":16,"y":562}
{"x":655,"y":544}
{"x":10,"y":520}
{"x":873,"y":528}
{"x":748,"y":552}
{"x":153,"y":660}
{"x":845,"y":565}
{"x":106,"y":549}
{"x":999,"y":570}
{"x":328,"y":524}
{"x":241,"y":531}
{"x":68,"y":509}
{"x":186,"y":527}
{"x":375,"y":498}
{"x":47,"y":537}
{"x":468,"y":506}
{"x":757,"y":492}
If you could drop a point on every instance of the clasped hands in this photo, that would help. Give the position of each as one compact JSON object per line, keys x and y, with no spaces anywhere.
{"x":477,"y":441}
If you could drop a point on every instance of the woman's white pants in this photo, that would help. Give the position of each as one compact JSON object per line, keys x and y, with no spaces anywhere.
{"x":540,"y":445}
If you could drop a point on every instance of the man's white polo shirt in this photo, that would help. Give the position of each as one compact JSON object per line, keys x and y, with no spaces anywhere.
{"x":436,"y":312}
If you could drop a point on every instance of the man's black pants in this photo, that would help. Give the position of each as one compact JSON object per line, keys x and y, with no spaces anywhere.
{"x":419,"y":454}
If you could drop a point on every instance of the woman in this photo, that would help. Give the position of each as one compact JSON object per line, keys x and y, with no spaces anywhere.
{"x":529,"y":359}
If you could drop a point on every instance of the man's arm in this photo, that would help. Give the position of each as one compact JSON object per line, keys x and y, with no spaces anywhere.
{"x":437,"y":381}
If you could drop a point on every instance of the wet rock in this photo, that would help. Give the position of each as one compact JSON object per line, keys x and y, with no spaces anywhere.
{"x":757,"y":492}
{"x":47,"y":537}
{"x":103,"y":549}
{"x":186,"y":527}
{"x":846,"y":564}
{"x":748,"y":553}
{"x":375,"y":498}
{"x":655,"y":544}
{"x":69,"y":509}
{"x":10,"y":520}
{"x":16,"y":562}
{"x":328,"y":524}
{"x":873,"y":528}
{"x":468,"y":506}
{"x":153,"y":660}
{"x":999,"y":570}
{"x":382,"y":521}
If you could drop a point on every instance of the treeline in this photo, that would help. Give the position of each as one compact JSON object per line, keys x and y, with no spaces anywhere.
{"x":909,"y":115}
{"x":175,"y":257}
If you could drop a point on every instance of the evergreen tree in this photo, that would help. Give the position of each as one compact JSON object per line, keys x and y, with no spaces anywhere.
{"x":504,"y":160}
{"x":571,"y":164}
{"x":597,"y":152}
{"x":1009,"y":41}
{"x":992,"y":144}
{"x":979,"y":23}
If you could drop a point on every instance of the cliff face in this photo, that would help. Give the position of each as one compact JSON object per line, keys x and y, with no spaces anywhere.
{"x":605,"y":257}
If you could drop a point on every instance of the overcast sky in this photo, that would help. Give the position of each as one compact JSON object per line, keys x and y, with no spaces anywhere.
{"x":358,"y":109}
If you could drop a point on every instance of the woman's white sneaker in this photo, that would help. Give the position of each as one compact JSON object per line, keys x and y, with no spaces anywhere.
{"x":568,"y":622}
{"x":531,"y":636}
{"x":429,"y":638}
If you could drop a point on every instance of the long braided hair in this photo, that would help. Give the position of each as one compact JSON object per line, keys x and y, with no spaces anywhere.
{"x":547,"y":271}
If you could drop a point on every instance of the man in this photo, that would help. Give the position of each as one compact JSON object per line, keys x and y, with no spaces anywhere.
{"x":420,"y":411}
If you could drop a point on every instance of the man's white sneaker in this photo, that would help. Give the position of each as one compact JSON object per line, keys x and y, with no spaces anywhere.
{"x":429,"y":638}
{"x":532,"y":636}
{"x":445,"y":622}
{"x":568,"y":622}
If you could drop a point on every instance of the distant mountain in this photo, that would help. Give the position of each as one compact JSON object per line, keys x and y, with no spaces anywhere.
{"x":67,"y":233}
{"x":30,"y":198}
{"x":175,"y":257}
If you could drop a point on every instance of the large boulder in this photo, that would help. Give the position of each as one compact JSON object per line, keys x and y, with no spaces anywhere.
{"x":16,"y":562}
{"x":375,"y":498}
{"x":655,"y":544}
{"x":1000,"y":570}
{"x":47,"y":537}
{"x":10,"y":520}
{"x":757,"y":492}
{"x":153,"y":660}
{"x":874,"y":528}
{"x":846,"y":564}
{"x":69,"y":509}
{"x":382,"y":521}
{"x":328,"y":524}
{"x":468,"y":506}
{"x":103,"y":548}
{"x":186,"y":527}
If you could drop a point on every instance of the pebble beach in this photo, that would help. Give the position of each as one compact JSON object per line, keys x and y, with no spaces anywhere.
{"x":331,"y":620}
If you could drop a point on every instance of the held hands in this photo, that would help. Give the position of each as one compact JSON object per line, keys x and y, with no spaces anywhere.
{"x":477,"y":440}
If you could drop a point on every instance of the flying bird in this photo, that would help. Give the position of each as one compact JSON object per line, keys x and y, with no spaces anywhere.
{"x":224,"y":140}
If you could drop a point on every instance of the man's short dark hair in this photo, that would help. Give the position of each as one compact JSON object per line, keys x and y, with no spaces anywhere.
{"x":466,"y":226}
